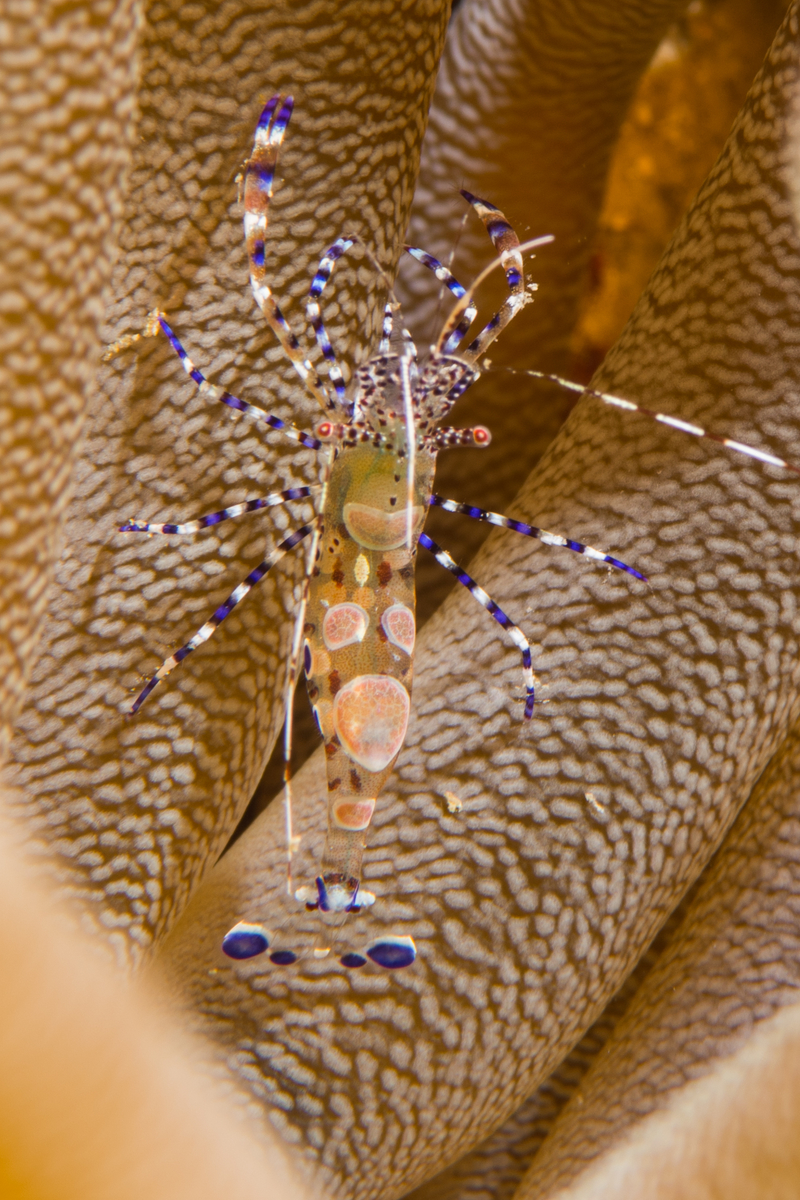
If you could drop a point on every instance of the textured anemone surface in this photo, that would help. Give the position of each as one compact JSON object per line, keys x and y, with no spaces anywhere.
{"x":532,"y":904}
{"x":67,"y":81}
{"x":730,"y":965}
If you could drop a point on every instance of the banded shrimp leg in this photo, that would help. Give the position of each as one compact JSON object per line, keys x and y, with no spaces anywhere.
{"x":256,"y":575}
{"x":259,"y":175}
{"x":453,"y":333}
{"x":484,"y":599}
{"x":157,"y":321}
{"x":218,"y":616}
{"x":618,"y":402}
{"x":224,"y":514}
{"x":449,"y":340}
{"x":502,"y":237}
{"x":257,"y":193}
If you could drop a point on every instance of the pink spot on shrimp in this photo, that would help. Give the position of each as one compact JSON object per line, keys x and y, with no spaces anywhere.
{"x":353,"y":814}
{"x":379,"y":530}
{"x":344,"y":624}
{"x":399,"y":626}
{"x":370,"y":715}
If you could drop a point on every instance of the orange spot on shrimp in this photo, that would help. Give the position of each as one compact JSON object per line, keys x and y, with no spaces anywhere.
{"x":344,"y":624}
{"x":379,"y":530}
{"x":398,"y":622}
{"x":353,"y":814}
{"x":370,"y":715}
{"x":334,"y":682}
{"x":384,"y":573}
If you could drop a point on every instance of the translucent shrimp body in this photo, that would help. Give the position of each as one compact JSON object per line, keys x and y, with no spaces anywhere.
{"x":358,"y":648}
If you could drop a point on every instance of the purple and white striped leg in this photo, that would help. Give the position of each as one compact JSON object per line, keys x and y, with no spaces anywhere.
{"x":217,"y":393}
{"x":224,"y":514}
{"x":392,"y":305}
{"x":771,"y":460}
{"x":484,"y":599}
{"x":238,"y":594}
{"x":268,"y":138}
{"x":506,"y":242}
{"x":385,"y":344}
{"x":314,"y":314}
{"x":504,"y":239}
{"x":514,"y":304}
{"x":549,"y":539}
{"x":449,"y":280}
{"x":259,"y":175}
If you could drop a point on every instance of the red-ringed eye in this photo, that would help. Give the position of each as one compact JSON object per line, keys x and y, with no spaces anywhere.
{"x":482,"y":435}
{"x":325,"y":430}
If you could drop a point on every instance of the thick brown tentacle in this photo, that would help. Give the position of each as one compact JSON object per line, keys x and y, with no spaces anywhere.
{"x":99,"y":1095}
{"x":494,"y":1168}
{"x":67,"y":133}
{"x":727,"y":42}
{"x":731,"y":964}
{"x":729,"y":1133}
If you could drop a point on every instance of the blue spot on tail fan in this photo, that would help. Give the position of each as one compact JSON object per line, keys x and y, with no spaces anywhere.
{"x":353,"y":960}
{"x":392,"y":952}
{"x":245,"y":940}
{"x":283,"y":958}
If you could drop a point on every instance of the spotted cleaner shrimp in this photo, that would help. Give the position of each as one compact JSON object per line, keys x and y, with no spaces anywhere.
{"x":379,"y":439}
